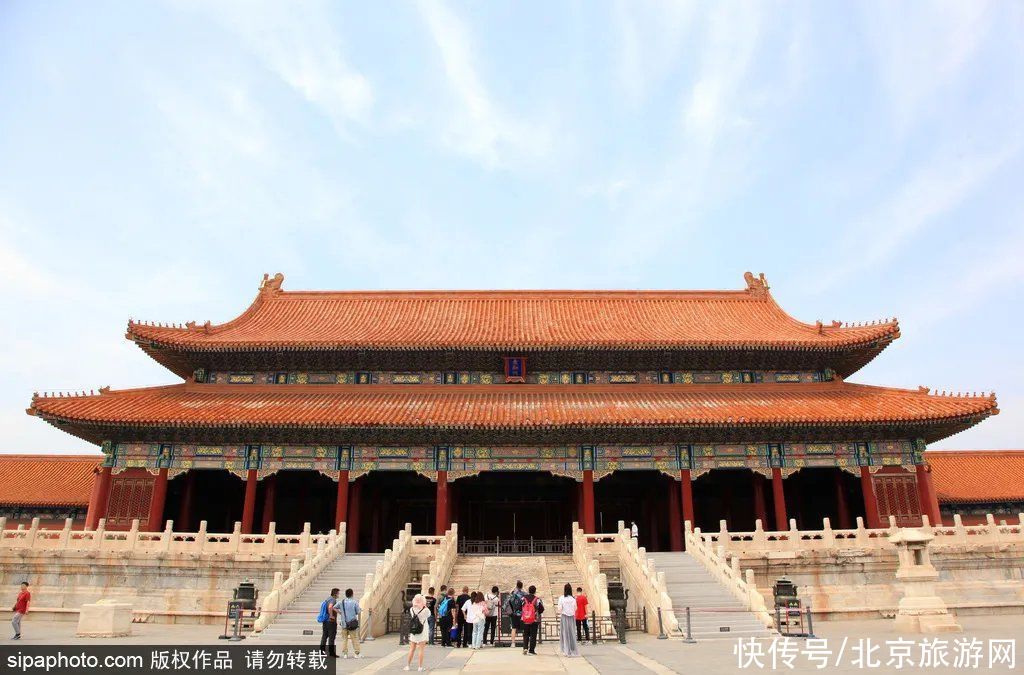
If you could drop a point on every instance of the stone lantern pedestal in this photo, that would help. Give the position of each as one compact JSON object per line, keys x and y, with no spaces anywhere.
{"x":105,"y":618}
{"x":920,"y":610}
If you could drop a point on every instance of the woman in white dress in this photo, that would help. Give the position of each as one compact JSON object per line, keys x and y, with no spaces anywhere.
{"x":567,"y":622}
{"x":418,"y":640}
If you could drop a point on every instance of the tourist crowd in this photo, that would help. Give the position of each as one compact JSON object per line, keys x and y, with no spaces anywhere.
{"x":468,"y":620}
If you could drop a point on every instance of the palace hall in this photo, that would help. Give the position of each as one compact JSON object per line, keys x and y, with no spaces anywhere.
{"x":514,"y":414}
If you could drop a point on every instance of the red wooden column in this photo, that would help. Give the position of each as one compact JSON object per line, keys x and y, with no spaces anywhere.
{"x":926,"y":492}
{"x":442,"y":518}
{"x":98,"y":506}
{"x":779,"y":496}
{"x":341,"y":506}
{"x":867,"y":486}
{"x":249,"y":505}
{"x":687,"y":497}
{"x":184,"y":522}
{"x":355,"y":498}
{"x":841,"y":505}
{"x":933,"y":501}
{"x":675,"y":521}
{"x":269,"y":498}
{"x":760,"y":504}
{"x":157,"y":501}
{"x":588,"y":501}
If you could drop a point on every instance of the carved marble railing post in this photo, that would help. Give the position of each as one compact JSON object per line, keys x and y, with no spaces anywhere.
{"x":133,"y":536}
{"x":760,"y":541}
{"x":201,"y":537}
{"x":828,"y":537}
{"x":236,"y":538}
{"x":304,"y":539}
{"x":33,"y":530}
{"x":167,"y":538}
{"x":65,"y":534}
{"x":960,"y":532}
{"x":861,"y":537}
{"x":98,"y":534}
{"x":270,"y":543}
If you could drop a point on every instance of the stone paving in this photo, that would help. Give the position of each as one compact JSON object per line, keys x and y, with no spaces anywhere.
{"x":643,"y":653}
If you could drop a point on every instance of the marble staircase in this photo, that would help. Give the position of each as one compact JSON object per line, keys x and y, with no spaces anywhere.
{"x":348,"y":571}
{"x":715,"y":612}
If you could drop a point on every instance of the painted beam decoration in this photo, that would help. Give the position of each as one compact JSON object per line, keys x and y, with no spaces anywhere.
{"x":566,"y":460}
{"x":516,"y":372}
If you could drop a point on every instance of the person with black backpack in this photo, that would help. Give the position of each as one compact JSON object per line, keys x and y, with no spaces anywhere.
{"x":532,"y":608}
{"x":513,"y":609}
{"x":328,"y":620}
{"x":418,"y":631}
{"x":348,"y":617}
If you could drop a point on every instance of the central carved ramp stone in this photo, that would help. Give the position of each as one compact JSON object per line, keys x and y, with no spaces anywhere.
{"x":548,"y":573}
{"x":504,"y":571}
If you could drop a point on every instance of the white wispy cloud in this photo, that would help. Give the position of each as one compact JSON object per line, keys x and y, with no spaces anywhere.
{"x":300,"y":44}
{"x":478,"y":127}
{"x":920,"y":52}
{"x":18,"y":272}
{"x":995,"y":267}
{"x":935,"y":189}
{"x":651,"y":39}
{"x":731,"y":39}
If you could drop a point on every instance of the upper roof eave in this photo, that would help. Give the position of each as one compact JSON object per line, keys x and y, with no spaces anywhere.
{"x":512,"y":321}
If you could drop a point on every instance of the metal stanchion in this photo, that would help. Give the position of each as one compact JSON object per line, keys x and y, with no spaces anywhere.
{"x":661,"y":627}
{"x":593,"y":627}
{"x":810,"y":623}
{"x":689,"y":629}
{"x":235,"y":612}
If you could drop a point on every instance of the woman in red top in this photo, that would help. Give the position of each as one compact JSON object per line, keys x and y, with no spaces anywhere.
{"x":581,"y":615}
{"x":20,"y":609}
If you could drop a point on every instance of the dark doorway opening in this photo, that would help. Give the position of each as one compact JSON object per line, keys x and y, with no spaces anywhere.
{"x":389,"y":500}
{"x":291,"y":497}
{"x":216,"y":497}
{"x":737,"y":496}
{"x":813,"y":494}
{"x":514,"y":505}
{"x":640,"y":496}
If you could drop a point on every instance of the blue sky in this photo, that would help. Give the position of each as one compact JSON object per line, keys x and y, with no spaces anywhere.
{"x":157,"y":158}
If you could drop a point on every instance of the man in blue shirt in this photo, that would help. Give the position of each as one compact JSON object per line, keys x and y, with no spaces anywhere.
{"x":348,"y":616}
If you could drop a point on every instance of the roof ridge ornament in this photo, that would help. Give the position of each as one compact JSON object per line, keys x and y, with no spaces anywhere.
{"x":271,"y":284}
{"x":756,"y":284}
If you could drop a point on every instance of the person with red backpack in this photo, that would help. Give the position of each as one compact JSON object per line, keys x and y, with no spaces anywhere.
{"x":533,"y":607}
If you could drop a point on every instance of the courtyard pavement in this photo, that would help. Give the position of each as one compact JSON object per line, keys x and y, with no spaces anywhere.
{"x":839,"y":644}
